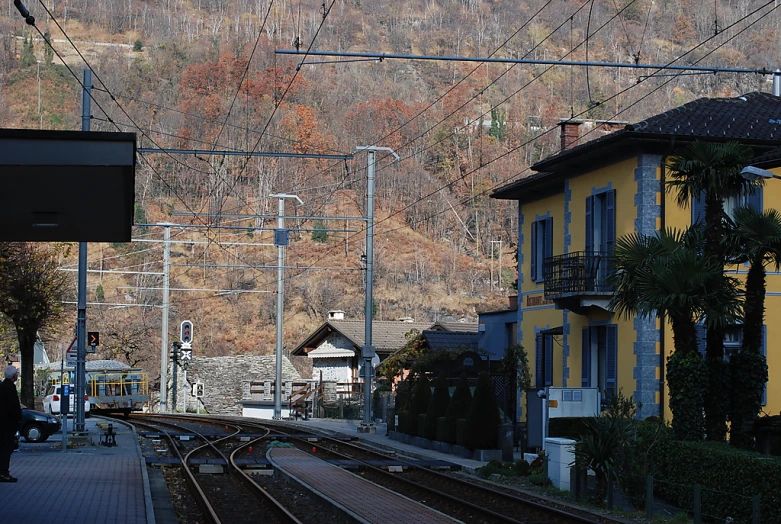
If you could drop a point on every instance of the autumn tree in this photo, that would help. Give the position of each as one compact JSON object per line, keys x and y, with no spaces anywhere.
{"x":31,"y":295}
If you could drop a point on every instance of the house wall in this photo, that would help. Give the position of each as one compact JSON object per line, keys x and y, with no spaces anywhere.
{"x":499,"y":333}
{"x":637,"y":183}
{"x":333,"y":369}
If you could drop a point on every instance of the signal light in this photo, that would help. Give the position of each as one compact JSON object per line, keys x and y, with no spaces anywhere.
{"x":186,"y":335}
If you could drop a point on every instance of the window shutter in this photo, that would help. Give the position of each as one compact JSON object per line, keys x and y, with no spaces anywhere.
{"x":698,"y":208}
{"x":586,"y":372}
{"x":538,"y":356}
{"x":534,"y":252}
{"x":611,"y":378}
{"x":548,"y":238}
{"x":754,"y":201}
{"x":548,"y":360}
{"x":610,"y":217}
{"x":702,"y":343}
{"x":764,"y":354}
{"x":589,"y":224}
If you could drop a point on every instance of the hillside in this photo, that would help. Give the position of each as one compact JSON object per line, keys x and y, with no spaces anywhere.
{"x":204,"y":75}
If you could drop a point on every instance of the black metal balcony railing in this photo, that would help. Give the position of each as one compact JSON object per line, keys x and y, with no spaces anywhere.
{"x":577,"y":273}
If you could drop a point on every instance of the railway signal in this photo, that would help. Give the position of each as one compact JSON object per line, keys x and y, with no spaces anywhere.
{"x":186,"y":335}
{"x":176,"y":351}
{"x":198,"y":390}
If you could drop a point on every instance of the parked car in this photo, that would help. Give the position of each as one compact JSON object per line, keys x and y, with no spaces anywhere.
{"x":51,"y":402}
{"x":37,"y":426}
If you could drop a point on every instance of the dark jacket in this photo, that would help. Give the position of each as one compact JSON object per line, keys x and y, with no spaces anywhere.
{"x":10,"y":408}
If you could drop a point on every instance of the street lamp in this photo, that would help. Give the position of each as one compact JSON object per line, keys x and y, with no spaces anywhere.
{"x":756,"y":173}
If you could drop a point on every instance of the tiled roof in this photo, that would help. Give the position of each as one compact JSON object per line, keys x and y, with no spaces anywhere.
{"x":469,"y":327}
{"x":753,"y":118}
{"x":387,"y":336}
{"x":451,"y":340}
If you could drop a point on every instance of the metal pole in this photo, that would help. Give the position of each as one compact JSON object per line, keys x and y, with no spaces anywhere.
{"x":500,"y":264}
{"x":281,"y":240}
{"x":368,"y":348}
{"x":164,"y":334}
{"x":185,"y":391}
{"x":367,"y":352}
{"x":63,"y":417}
{"x":280,"y":313}
{"x":81,"y":322}
{"x":174,"y":385}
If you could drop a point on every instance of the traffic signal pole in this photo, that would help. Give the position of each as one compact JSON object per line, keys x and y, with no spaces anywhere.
{"x":164,"y":335}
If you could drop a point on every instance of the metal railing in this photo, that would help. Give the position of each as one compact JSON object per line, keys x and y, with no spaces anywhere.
{"x":577,"y":273}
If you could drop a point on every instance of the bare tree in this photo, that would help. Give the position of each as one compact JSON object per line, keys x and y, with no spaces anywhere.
{"x":31,"y":296}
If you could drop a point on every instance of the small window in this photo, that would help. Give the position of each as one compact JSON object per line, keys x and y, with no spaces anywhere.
{"x":541,"y":247}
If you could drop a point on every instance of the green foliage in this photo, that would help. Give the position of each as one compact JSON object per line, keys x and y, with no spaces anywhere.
{"x":421,"y":396}
{"x":320,"y":234}
{"x":538,"y":479}
{"x":100,"y":294}
{"x":483,"y":419}
{"x":138,"y":46}
{"x":392,"y":366}
{"x":403,"y":421}
{"x":687,"y":381}
{"x":438,"y":406}
{"x":601,"y":448}
{"x":619,"y":406}
{"x":441,"y":433}
{"x":729,"y":478}
{"x":28,"y":52}
{"x":636,"y":464}
{"x":498,"y":124}
{"x":48,"y":51}
{"x":421,"y":426}
{"x":507,"y":469}
{"x":516,"y":362}
{"x":461,"y":432}
{"x":748,"y":375}
{"x":457,"y":409}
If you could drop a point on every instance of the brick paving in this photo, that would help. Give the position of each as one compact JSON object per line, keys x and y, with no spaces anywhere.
{"x":89,"y":484}
{"x":368,"y":501}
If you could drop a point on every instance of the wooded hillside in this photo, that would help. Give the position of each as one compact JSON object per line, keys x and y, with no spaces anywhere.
{"x":204,"y":75}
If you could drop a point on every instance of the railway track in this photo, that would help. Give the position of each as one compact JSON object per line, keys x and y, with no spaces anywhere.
{"x":231,"y":497}
{"x":464,"y":500}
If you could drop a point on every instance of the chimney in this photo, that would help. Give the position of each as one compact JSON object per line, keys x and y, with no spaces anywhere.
{"x":570,"y":133}
{"x":336,"y":314}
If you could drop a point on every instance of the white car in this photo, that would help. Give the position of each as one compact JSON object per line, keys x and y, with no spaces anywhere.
{"x":51,"y":403}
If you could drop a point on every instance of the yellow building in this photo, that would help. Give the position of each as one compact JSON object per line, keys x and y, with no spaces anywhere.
{"x":570,"y":213}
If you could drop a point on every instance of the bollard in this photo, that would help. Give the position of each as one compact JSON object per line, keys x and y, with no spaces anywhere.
{"x":649,"y":497}
{"x":697,"y":504}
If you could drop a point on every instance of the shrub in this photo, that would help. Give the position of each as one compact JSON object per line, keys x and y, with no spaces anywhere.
{"x":729,"y":477}
{"x":602,"y":448}
{"x":461,"y":432}
{"x":483,"y":420}
{"x":438,"y":406}
{"x":441,"y":429}
{"x":421,"y":432}
{"x":138,"y":46}
{"x":456,"y":409}
{"x":421,"y":396}
{"x":376,"y":397}
{"x":522,"y":468}
{"x":687,"y":381}
{"x":403,"y":421}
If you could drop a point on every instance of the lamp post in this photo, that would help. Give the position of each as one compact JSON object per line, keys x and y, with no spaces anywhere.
{"x":757,"y":173}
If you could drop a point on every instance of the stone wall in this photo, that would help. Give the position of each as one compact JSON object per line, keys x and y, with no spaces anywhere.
{"x":223,"y":377}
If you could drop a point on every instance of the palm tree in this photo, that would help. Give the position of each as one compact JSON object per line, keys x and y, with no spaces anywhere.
{"x":754,"y":237}
{"x":712,"y":171}
{"x":666,"y":275}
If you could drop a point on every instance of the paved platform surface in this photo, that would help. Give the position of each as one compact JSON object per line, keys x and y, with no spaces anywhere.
{"x":380,"y":440}
{"x":85,"y":484}
{"x":352,"y":492}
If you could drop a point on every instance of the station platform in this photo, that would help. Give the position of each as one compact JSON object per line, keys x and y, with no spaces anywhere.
{"x":381,"y":441}
{"x":85,"y":483}
{"x":351,"y":492}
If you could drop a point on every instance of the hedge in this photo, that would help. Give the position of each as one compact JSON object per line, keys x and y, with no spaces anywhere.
{"x":457,"y":409}
{"x":729,"y":478}
{"x":482,"y":422}
{"x":438,"y":406}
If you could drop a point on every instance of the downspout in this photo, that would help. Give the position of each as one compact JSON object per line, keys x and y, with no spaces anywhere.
{"x":663,"y":320}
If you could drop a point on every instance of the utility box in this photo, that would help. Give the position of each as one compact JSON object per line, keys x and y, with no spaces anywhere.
{"x":573,"y":402}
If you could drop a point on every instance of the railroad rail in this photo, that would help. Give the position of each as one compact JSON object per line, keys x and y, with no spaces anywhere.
{"x":461,"y":499}
{"x":219,"y":498}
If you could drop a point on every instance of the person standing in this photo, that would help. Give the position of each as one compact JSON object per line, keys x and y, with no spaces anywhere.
{"x":10,"y":418}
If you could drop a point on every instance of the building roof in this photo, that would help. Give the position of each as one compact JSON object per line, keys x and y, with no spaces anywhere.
{"x":90,"y":365}
{"x":387,"y":336}
{"x":451,"y":340}
{"x":462,"y":327}
{"x":753,"y":119}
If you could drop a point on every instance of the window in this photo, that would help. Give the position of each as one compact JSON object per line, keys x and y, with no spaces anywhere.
{"x":543,"y":360}
{"x":731,"y":203}
{"x":600,"y":359}
{"x":542,"y":246}
{"x":601,"y":221}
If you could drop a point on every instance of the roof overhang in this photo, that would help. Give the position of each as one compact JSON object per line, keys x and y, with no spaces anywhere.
{"x":604,"y":151}
{"x":66,"y":186}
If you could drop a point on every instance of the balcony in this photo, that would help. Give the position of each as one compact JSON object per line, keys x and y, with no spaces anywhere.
{"x":578,"y":281}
